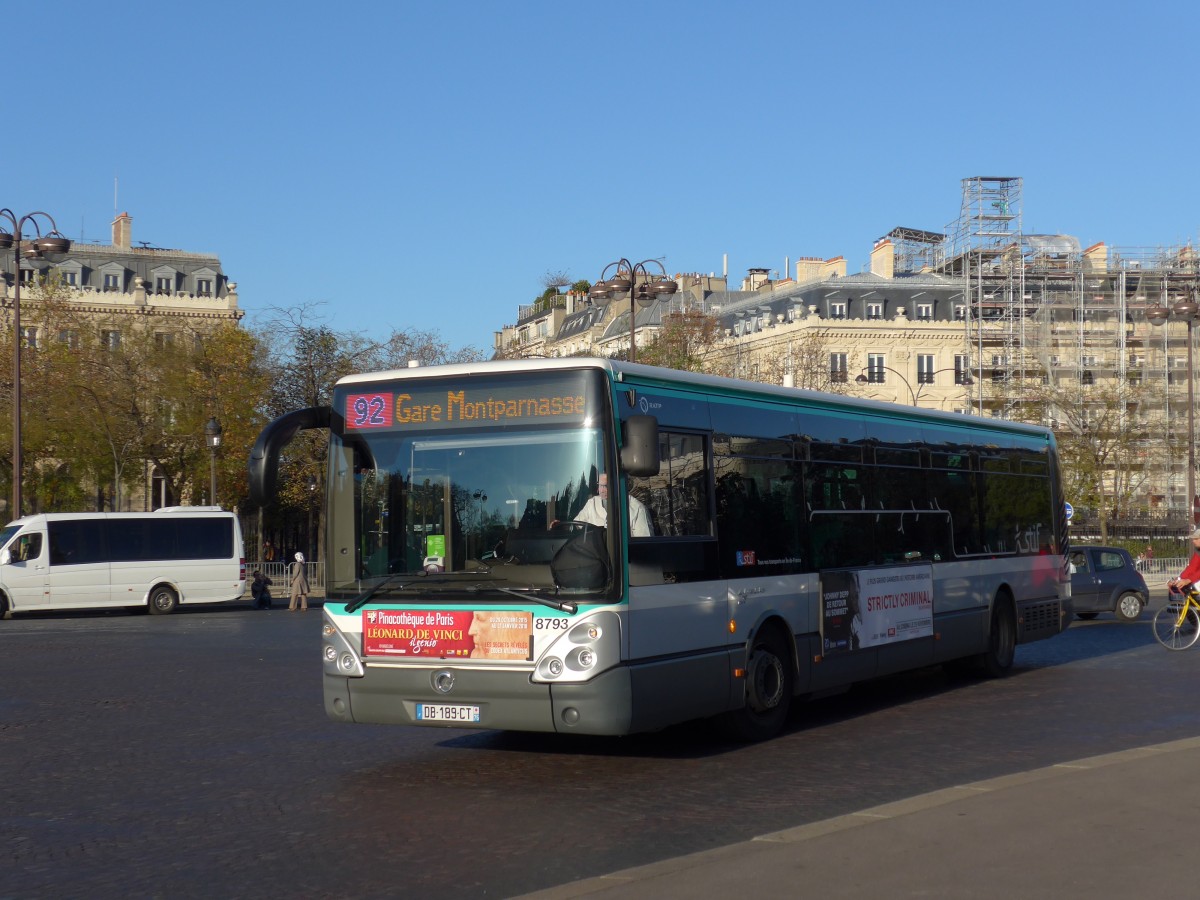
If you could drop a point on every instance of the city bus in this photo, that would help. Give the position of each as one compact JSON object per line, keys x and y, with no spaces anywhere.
{"x":784,"y":544}
{"x":92,"y":560}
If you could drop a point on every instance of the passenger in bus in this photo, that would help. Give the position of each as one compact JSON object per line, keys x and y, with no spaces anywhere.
{"x":298,"y":584}
{"x":593,"y":512}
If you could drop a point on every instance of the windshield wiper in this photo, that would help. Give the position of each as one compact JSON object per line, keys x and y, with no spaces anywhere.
{"x":527,"y":593}
{"x":363,"y":599}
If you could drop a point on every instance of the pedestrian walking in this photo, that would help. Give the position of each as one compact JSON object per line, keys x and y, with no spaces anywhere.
{"x":298,"y":584}
{"x":268,"y":553}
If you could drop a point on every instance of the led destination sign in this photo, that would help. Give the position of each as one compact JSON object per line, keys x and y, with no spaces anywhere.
{"x":396,"y":407}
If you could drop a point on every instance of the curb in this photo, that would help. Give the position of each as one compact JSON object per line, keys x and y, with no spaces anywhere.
{"x":730,"y":856}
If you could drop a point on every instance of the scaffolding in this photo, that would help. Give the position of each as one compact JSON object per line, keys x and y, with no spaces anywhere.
{"x":1040,"y":306}
{"x":916,"y":250}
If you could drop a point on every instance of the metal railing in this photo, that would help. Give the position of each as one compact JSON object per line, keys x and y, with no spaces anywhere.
{"x":277,"y":571}
{"x":1163,"y":569}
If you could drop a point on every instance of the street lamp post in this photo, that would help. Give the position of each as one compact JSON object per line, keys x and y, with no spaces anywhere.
{"x":51,"y":242}
{"x":310,"y":538}
{"x":481,"y":496}
{"x":861,"y":378}
{"x":1187,"y":310}
{"x":626,"y":279}
{"x":212,"y":435}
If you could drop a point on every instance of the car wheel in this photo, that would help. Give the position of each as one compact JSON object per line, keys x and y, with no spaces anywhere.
{"x":1129,"y":607}
{"x":1087,"y":617}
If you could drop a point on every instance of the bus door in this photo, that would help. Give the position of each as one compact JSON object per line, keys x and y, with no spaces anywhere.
{"x":27,"y":574}
{"x":79,"y":569}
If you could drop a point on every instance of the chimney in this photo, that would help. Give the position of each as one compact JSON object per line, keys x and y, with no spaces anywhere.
{"x":883,"y":259}
{"x":1095,"y":259}
{"x":122,"y":231}
{"x":834,"y":267}
{"x":808,"y":268}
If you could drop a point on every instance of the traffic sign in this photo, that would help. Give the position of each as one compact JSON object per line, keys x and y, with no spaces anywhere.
{"x":1070,"y":510}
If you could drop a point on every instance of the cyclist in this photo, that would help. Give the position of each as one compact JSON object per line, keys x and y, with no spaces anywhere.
{"x":1191,"y":572}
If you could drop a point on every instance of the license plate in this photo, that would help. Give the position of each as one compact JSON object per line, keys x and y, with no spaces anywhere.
{"x":446,"y":712}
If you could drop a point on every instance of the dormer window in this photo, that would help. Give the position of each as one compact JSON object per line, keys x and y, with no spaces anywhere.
{"x":924,"y":311}
{"x":960,"y":312}
{"x":112,"y":281}
{"x":837,"y":309}
{"x":875,"y":310}
{"x":165,"y":280}
{"x":204,"y":287}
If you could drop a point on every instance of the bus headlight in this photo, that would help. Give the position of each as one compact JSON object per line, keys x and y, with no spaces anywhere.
{"x":337,"y":654}
{"x":586,"y":649}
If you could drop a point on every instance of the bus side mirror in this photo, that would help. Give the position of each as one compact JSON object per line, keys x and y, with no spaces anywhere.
{"x":639,"y":450}
{"x":263,"y":469}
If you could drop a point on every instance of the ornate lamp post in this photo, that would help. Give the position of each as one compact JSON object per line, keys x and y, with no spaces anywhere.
{"x":626,"y":279}
{"x":1185,"y":309}
{"x":861,"y":378}
{"x":212,"y":436}
{"x":51,"y":242}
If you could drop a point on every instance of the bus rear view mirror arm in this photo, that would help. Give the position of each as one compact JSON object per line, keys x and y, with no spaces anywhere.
{"x":263,"y":469}
{"x":639,"y":447}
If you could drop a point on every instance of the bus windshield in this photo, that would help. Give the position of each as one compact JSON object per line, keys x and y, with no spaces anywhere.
{"x":466,"y":510}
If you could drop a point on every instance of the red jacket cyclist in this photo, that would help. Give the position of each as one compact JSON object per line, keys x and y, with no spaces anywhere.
{"x":1191,"y":572}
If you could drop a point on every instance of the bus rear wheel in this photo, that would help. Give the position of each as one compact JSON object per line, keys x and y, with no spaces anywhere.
{"x":163,"y":600}
{"x":1002,"y":639}
{"x":769,"y":679}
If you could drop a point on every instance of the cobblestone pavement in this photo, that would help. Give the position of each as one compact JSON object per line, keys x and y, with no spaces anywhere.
{"x":189,"y":755}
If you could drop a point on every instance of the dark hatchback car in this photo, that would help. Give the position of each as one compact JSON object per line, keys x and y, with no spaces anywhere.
{"x":1104,"y":579}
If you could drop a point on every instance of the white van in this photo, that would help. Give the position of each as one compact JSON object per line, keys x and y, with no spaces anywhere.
{"x":178,"y":554}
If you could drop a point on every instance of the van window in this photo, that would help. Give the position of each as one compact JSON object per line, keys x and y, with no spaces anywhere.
{"x":141,"y":540}
{"x":73,"y":543}
{"x":27,"y":547}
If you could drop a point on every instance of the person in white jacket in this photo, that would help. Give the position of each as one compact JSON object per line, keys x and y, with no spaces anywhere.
{"x":594,"y":511}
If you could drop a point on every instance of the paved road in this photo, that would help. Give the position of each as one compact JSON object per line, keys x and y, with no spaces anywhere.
{"x":189,"y":755}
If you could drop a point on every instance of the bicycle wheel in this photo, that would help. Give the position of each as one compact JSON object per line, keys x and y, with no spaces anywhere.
{"x":1177,"y":626}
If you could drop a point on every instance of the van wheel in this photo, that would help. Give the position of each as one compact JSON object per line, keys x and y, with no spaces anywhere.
{"x":5,"y":607}
{"x":163,"y":600}
{"x":770,"y":678}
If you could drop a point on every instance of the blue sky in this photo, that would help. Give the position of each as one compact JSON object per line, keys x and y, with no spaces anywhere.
{"x":424,"y":165}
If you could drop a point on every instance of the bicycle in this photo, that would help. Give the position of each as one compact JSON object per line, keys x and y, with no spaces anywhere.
{"x":1177,"y":625}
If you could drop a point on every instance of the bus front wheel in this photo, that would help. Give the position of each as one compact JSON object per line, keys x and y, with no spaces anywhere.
{"x":769,"y":681}
{"x":163,"y":600}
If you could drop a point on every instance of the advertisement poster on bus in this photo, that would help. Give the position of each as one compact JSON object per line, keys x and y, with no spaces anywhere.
{"x":448,"y":634}
{"x":873,"y":607}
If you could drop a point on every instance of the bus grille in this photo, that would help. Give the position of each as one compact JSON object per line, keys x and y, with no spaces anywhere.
{"x":1041,"y":619}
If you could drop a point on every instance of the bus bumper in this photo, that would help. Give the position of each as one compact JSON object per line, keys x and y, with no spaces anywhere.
{"x":388,"y":695}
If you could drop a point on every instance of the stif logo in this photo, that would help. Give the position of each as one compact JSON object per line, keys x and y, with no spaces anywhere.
{"x":372,"y":615}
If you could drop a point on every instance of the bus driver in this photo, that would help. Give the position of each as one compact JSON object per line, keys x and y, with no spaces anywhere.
{"x":593,"y":512}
